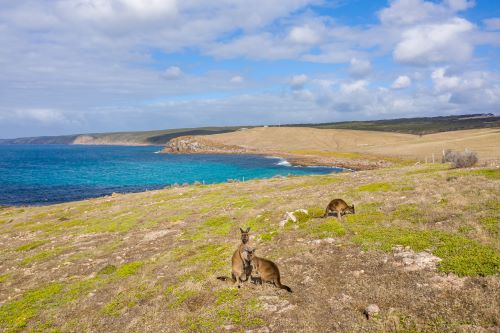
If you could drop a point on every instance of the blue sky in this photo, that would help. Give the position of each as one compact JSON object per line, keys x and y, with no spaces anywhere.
{"x":79,"y":66}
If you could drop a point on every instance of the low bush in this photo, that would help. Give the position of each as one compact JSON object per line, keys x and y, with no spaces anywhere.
{"x":460,"y":160}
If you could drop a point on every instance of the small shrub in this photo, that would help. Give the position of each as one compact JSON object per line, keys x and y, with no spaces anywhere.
{"x":460,"y":160}
{"x":30,"y":246}
{"x":108,"y":269}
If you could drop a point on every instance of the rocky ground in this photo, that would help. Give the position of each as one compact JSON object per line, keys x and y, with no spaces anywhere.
{"x":421,"y":254}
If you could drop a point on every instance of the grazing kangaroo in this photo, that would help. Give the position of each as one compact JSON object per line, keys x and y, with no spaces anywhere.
{"x":241,"y":269}
{"x":340,"y":207}
{"x":266,"y":270}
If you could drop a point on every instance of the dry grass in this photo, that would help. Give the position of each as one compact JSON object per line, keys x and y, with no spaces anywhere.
{"x":311,"y":141}
{"x":147,"y":262}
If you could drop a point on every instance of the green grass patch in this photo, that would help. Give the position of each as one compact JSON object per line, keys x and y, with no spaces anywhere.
{"x":376,"y":187}
{"x":408,"y":212}
{"x":491,"y":224}
{"x":40,"y":256}
{"x":488,"y":173}
{"x":268,"y":236}
{"x":128,"y":269}
{"x":108,"y":269}
{"x":315,"y":211}
{"x":15,"y":315}
{"x":226,"y":295}
{"x":126,"y":300}
{"x":462,"y":256}
{"x":331,"y":227}
{"x":219,"y":225}
{"x":180,"y":296}
{"x":259,"y":222}
{"x":5,"y":277}
{"x":30,"y":246}
{"x":211,"y":257}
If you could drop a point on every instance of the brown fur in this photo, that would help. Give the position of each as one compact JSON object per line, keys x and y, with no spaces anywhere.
{"x":240,"y":269}
{"x":264,"y":270}
{"x":340,"y":207}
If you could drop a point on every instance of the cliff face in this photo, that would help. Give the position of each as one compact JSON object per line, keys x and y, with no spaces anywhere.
{"x":193,"y":145}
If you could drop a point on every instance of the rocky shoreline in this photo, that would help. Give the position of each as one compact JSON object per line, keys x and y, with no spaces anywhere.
{"x":199,"y":145}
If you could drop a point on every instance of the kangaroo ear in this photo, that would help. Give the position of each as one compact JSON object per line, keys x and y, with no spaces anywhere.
{"x":242,"y":231}
{"x":248,"y":229}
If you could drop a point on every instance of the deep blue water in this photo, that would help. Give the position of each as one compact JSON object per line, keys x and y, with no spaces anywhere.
{"x":46,"y":174}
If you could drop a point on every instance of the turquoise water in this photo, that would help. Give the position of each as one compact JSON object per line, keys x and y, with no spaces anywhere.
{"x":46,"y":174}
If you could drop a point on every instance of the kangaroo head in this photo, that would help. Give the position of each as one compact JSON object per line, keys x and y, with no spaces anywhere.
{"x":244,"y":235}
{"x":351,"y":208}
{"x":249,"y":253}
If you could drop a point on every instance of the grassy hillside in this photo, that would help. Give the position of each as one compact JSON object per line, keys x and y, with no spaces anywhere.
{"x":351,"y":143}
{"x":148,"y":261}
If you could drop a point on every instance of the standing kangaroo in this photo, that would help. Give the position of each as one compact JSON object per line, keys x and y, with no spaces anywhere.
{"x":240,"y":270}
{"x":266,"y":270}
{"x":340,"y":207}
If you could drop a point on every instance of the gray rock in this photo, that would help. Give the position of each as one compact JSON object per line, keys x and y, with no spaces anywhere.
{"x":371,"y":311}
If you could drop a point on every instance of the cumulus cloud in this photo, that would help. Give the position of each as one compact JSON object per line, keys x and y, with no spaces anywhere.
{"x":401,"y":82}
{"x":359,"y":68}
{"x":86,"y":59}
{"x":236,"y":79}
{"x":298,"y":81}
{"x":434,"y":43}
{"x":304,"y":35}
{"x":172,"y":73}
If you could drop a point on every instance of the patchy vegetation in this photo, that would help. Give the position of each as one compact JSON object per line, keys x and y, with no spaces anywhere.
{"x":132,"y":261}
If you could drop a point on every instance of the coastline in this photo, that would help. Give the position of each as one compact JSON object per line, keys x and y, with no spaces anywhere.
{"x":355,"y":162}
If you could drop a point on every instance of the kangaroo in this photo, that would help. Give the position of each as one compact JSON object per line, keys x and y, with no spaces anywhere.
{"x":266,"y":270}
{"x":241,"y":269}
{"x":340,"y":207}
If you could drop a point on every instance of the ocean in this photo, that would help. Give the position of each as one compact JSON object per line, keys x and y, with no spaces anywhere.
{"x":47,"y":174}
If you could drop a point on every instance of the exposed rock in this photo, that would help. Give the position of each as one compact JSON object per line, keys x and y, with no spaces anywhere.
{"x":274,"y":304}
{"x":190,"y":144}
{"x":412,"y":261}
{"x":259,"y":330}
{"x":371,"y":310}
{"x":290,"y":216}
{"x":151,"y":236}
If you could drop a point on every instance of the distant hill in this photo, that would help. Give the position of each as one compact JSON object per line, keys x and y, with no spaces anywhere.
{"x":121,"y":138}
{"x":419,"y":126}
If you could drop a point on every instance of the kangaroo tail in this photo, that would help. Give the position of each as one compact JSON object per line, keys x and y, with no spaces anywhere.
{"x":326,"y":212}
{"x":223,"y":278}
{"x":282,"y":286}
{"x":287,"y":288}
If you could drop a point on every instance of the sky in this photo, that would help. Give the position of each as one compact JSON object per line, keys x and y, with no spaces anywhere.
{"x":88,"y":66}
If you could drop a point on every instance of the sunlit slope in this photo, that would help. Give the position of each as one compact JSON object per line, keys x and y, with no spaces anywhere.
{"x":484,"y":141}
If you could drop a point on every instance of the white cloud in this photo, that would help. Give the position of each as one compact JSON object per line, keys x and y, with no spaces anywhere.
{"x":492,"y":23}
{"x":359,"y":68}
{"x":237,"y":79}
{"x":298,"y":81}
{"x":41,"y":115}
{"x":355,"y":86}
{"x":442,"y":82}
{"x":172,"y":73}
{"x":401,"y":82}
{"x":459,"y":5}
{"x":434,"y":43}
{"x":304,"y":35}
{"x":115,"y":10}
